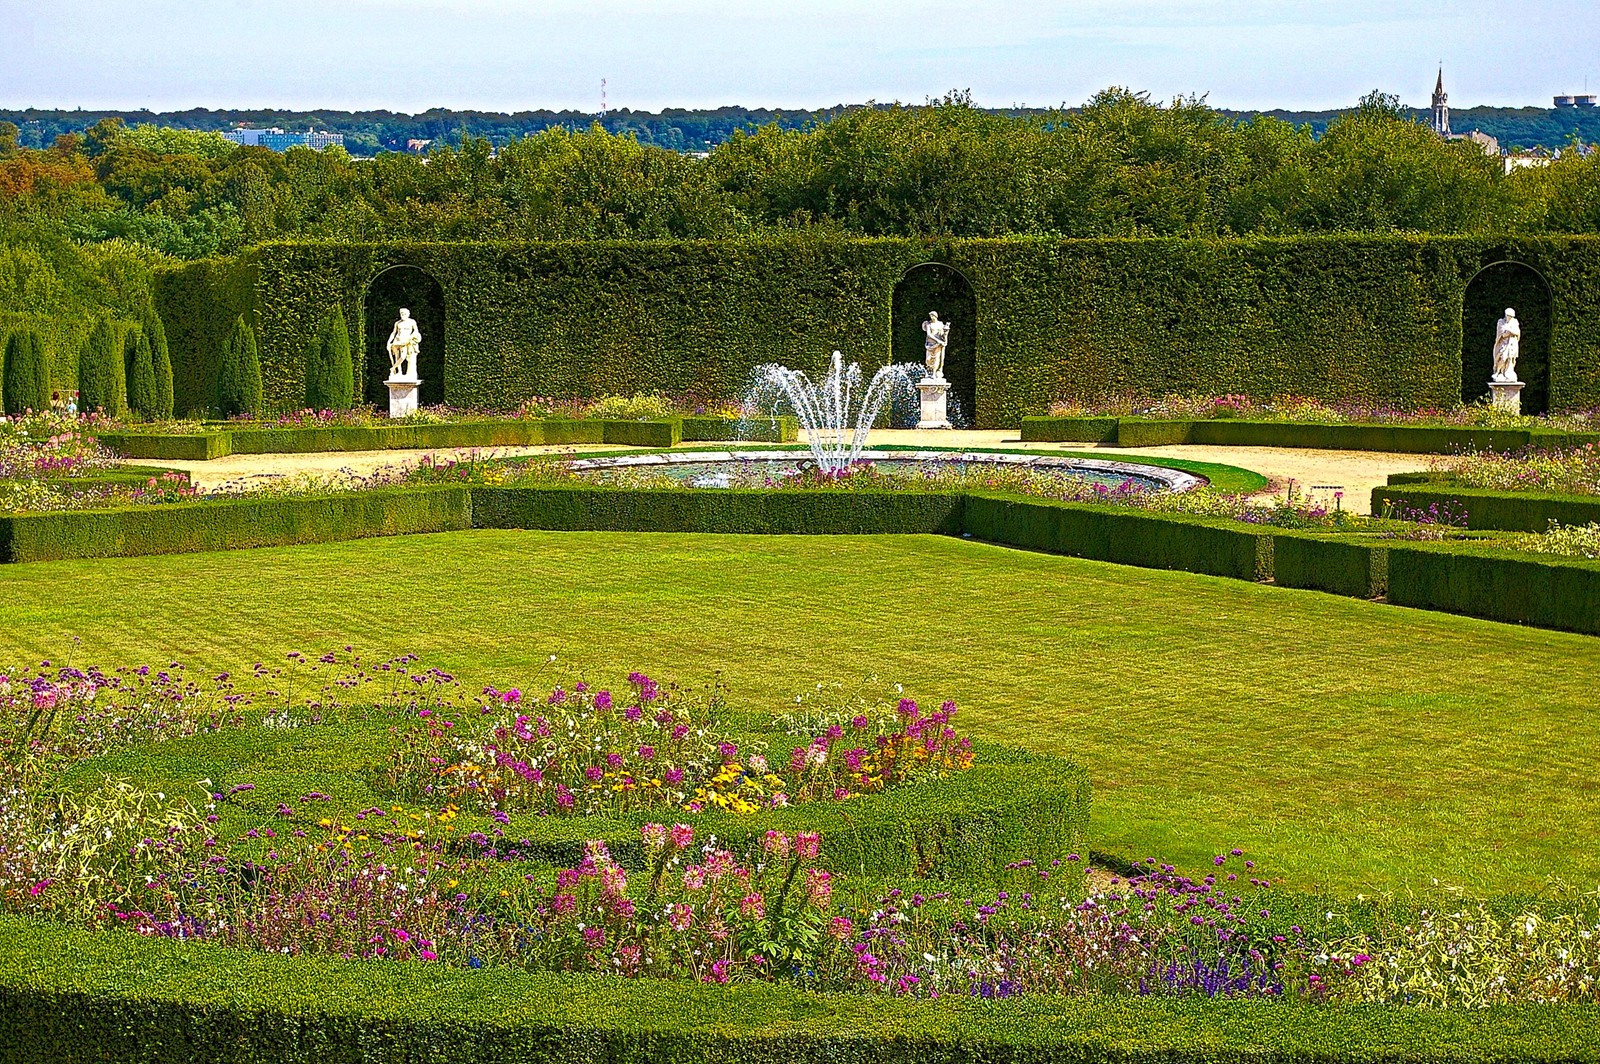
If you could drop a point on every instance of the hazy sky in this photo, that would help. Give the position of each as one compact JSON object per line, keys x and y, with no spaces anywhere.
{"x":507,"y":55}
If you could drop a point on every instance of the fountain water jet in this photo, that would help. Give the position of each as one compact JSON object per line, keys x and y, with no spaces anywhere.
{"x":835,"y":420}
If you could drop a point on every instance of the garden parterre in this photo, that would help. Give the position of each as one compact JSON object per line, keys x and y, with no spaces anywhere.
{"x":394,"y":884}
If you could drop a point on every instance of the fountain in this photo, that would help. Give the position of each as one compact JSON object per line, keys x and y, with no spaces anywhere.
{"x":835,"y":422}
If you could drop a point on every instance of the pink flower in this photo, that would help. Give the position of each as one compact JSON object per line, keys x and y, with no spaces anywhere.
{"x":511,"y":697}
{"x":682,"y":836}
{"x":808,"y":844}
{"x":776,"y":843}
{"x":681,"y":917}
{"x":602,"y":700}
{"x":647,"y":753}
{"x":654,"y":835}
{"x":719,"y":972}
{"x":819,"y":885}
{"x":614,"y":879}
{"x":753,"y":906}
{"x":563,"y":904}
{"x":840,"y":928}
{"x":694,"y":878}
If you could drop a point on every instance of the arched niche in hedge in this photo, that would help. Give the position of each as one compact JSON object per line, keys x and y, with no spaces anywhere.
{"x":1494,"y":288}
{"x":938,"y":287}
{"x":419,"y":292}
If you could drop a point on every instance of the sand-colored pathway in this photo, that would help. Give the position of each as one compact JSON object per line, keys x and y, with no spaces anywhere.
{"x":1318,"y":473}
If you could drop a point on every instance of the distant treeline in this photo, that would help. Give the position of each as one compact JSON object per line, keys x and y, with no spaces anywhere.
{"x":683,"y":130}
{"x":368,"y":132}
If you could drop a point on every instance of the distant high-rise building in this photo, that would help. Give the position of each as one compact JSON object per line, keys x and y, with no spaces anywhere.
{"x":1441,"y":107}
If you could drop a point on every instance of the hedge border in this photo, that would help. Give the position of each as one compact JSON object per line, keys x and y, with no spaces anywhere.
{"x":1508,"y":511}
{"x":70,"y":994}
{"x":1239,"y":432}
{"x":1542,"y":590}
{"x":1355,"y":566}
{"x":219,"y":443}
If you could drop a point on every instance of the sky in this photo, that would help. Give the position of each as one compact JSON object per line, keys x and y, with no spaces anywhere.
{"x":508,"y":55}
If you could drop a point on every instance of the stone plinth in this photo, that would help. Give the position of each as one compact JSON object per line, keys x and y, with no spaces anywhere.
{"x":402,"y":396}
{"x":1506,"y":395}
{"x":935,"y":403}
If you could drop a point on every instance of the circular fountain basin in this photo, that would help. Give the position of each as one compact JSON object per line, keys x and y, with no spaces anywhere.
{"x":721,"y":469}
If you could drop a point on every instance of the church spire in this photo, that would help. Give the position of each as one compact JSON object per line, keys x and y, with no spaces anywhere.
{"x":1441,"y":107}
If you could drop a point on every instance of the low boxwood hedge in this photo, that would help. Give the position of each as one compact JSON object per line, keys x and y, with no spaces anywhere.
{"x":1341,"y":565}
{"x":1239,"y":432}
{"x":1544,"y":590}
{"x":178,"y":528}
{"x":600,"y":509}
{"x":221,"y":442}
{"x":1509,"y":511}
{"x":759,"y":430}
{"x":1564,"y":592}
{"x":73,"y":995}
{"x":1131,"y":537}
{"x":1069,"y":430}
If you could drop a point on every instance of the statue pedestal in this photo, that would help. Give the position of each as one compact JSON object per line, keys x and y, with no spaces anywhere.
{"x":935,"y":403}
{"x":402,"y":396}
{"x":1506,"y":395}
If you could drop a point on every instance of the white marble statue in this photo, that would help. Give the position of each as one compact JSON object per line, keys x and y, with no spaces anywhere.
{"x":938,"y":334}
{"x":1507,"y":337}
{"x":405,"y":339}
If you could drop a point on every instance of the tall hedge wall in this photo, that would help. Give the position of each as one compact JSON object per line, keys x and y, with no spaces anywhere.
{"x":198,"y":304}
{"x":1327,"y":316}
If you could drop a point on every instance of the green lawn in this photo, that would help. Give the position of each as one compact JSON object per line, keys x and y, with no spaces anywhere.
{"x":1350,"y":746}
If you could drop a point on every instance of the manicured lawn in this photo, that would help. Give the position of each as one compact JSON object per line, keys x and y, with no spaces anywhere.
{"x":1350,"y":746}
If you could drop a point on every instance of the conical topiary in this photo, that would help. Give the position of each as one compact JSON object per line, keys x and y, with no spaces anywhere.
{"x":143,"y":395}
{"x":330,"y":377}
{"x":101,"y":385}
{"x":239,"y":372}
{"x":160,"y":360}
{"x":26,"y":384}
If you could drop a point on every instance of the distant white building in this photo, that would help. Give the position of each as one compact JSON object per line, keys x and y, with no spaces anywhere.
{"x":278,"y":140}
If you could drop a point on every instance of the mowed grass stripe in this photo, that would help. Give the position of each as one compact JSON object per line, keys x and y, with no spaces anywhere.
{"x":1352,"y":746}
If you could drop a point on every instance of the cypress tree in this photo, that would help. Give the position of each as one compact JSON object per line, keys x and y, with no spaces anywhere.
{"x":239,"y":372}
{"x":330,"y":377}
{"x":26,"y":384}
{"x":160,"y":361}
{"x":101,"y":381}
{"x":139,"y":363}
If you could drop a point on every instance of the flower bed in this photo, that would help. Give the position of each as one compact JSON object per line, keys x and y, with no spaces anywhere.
{"x":333,"y":903}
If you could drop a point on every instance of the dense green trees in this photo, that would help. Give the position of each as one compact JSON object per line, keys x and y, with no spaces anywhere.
{"x":25,"y":379}
{"x":161,"y":362}
{"x":330,"y":377}
{"x":102,"y":383}
{"x":239,"y":372}
{"x":1119,"y":165}
{"x":139,"y":366}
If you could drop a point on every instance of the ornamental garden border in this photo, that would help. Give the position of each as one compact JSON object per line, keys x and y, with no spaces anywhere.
{"x":1359,"y":566}
{"x":67,"y":994}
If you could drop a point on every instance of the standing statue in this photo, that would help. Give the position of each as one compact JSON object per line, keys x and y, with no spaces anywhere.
{"x":404,"y":341}
{"x":1507,"y":337}
{"x":938,"y":334}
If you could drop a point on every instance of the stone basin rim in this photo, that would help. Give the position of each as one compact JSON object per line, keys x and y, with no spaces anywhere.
{"x":1169,"y":479}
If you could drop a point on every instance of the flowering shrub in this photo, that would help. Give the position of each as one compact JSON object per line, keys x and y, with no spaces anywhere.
{"x":1574,"y":541}
{"x":1575,"y":471}
{"x":580,"y":751}
{"x":59,"y":714}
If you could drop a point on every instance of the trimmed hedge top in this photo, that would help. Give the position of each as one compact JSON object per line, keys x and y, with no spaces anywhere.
{"x":67,"y":994}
